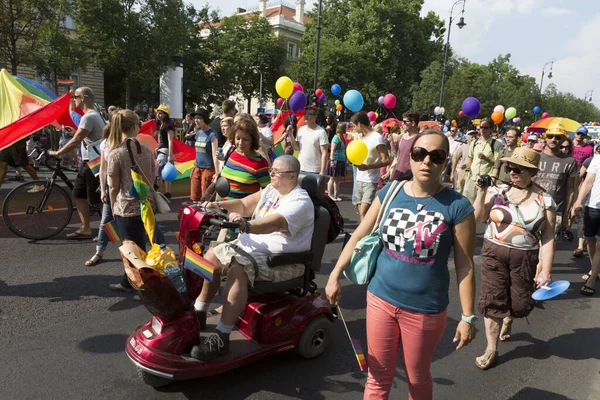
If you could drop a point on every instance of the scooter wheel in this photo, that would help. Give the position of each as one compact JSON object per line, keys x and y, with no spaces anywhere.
{"x":153,"y":380}
{"x":315,"y":337}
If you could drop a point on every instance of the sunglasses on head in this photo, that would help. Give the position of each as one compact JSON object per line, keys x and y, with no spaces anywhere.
{"x":436,"y":156}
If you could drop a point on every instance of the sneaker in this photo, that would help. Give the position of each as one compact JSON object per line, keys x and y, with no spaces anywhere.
{"x":332,"y":197}
{"x":120,"y":288}
{"x":338,"y":199}
{"x":36,"y":189}
{"x":168,"y":195}
{"x":567,"y":234}
{"x":201,"y":316}
{"x":214,"y":346}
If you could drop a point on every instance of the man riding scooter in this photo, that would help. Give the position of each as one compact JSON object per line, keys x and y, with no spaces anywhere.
{"x":280,"y":223}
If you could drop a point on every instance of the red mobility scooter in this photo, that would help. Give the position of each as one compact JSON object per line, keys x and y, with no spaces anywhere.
{"x":278,"y":317}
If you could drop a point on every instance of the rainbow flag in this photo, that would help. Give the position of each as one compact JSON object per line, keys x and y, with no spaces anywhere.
{"x":198,"y":264}
{"x":360,"y":356}
{"x":95,"y":165}
{"x":112,"y":232}
{"x":65,"y":82}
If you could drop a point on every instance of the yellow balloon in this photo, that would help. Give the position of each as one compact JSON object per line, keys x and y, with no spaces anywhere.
{"x":284,"y":87}
{"x":357,"y":152}
{"x":376,"y":115}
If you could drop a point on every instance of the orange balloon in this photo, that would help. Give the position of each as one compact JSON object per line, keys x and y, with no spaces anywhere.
{"x":497,"y":117}
{"x":339,"y":107}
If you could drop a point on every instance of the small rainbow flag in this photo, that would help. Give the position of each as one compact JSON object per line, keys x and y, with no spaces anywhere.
{"x":65,"y":82}
{"x":360,"y":356}
{"x":95,"y":165}
{"x":198,"y":264}
{"x":112,"y":232}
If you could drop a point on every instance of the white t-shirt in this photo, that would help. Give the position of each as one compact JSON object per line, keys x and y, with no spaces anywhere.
{"x":310,"y":141}
{"x":372,"y":141}
{"x":94,"y":124}
{"x":297,"y":208}
{"x":266,"y":132}
{"x":453,"y":145}
{"x":594,"y":197}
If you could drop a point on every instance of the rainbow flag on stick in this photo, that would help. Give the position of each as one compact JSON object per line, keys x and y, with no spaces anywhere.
{"x":358,"y":352}
{"x":198,"y":264}
{"x":95,"y":165}
{"x":112,"y":232}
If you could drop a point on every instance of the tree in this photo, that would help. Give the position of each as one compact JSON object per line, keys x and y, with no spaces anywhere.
{"x":22,"y":22}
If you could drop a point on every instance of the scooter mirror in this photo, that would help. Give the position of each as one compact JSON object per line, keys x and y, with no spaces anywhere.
{"x":222,"y":187}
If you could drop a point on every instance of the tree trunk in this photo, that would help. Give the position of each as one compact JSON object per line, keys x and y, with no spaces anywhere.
{"x":127,"y":89}
{"x":249,"y":105}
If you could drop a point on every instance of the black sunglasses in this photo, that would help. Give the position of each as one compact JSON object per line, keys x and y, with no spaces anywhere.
{"x":516,"y":170}
{"x":565,"y":147}
{"x":557,"y":137}
{"x":437,"y":156}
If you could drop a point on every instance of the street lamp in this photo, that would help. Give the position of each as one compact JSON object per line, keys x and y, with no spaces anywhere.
{"x":461,"y":24}
{"x":591,"y":92}
{"x":551,"y":63}
{"x":318,"y":44}
{"x":259,"y":89}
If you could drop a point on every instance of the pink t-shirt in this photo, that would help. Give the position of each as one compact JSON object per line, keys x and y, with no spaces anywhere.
{"x":403,"y":154}
{"x":581,"y":153}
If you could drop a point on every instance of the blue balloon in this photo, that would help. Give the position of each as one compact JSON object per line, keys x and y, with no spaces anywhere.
{"x":536,"y":109}
{"x":169,"y":172}
{"x":353,"y":100}
{"x":336,"y":89}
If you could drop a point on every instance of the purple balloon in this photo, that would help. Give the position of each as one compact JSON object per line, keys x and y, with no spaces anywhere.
{"x":322,"y":98}
{"x":515,"y":120}
{"x":380,"y":100}
{"x":297,"y":101}
{"x":447,"y":123}
{"x":471,"y":107}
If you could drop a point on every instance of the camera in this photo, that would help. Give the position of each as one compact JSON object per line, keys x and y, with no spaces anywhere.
{"x":484,"y":180}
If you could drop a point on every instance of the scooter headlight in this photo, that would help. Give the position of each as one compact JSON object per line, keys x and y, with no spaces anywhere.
{"x":156,"y":325}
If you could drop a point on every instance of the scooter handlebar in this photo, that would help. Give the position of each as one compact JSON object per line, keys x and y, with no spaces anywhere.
{"x":224,"y":224}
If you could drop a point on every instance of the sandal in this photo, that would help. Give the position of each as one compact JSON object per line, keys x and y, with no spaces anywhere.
{"x":94,"y":260}
{"x":587,"y":291}
{"x":577,"y":253}
{"x":586,"y":277}
{"x":505,"y":332}
{"x":488,"y":359}
{"x":79,"y":235}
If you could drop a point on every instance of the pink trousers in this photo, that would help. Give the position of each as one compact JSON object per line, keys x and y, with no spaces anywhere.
{"x":419,"y":334}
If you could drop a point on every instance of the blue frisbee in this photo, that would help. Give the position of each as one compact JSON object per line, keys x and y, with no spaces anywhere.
{"x":550,"y":291}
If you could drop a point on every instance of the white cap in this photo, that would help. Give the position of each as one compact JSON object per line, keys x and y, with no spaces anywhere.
{"x":532,"y":137}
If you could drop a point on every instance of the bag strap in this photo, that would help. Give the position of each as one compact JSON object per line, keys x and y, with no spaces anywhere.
{"x":139,"y":150}
{"x":389,"y":196}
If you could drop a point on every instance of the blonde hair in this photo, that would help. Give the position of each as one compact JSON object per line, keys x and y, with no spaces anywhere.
{"x":123,"y":124}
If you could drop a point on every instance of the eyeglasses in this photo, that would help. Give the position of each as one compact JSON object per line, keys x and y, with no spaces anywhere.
{"x":508,"y":168}
{"x":436,"y":156}
{"x":275,"y":172}
{"x":580,"y":133}
{"x":76,"y":96}
{"x":565,"y":147}
{"x":484,"y":127}
{"x":406,"y":121}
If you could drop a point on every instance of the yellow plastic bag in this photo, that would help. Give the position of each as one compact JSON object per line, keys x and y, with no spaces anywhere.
{"x":158,"y":258}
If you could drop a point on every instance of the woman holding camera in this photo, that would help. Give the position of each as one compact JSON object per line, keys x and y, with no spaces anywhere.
{"x":408,"y":294}
{"x":520,"y":219}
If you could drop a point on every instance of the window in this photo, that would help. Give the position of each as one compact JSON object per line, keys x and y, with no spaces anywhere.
{"x":75,"y":77}
{"x":68,"y":23}
{"x":291,"y":50}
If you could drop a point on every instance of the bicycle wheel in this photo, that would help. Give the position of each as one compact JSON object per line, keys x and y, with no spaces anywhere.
{"x":26,"y":216}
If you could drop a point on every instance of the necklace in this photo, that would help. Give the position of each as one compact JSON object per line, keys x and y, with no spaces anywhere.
{"x":422,"y":206}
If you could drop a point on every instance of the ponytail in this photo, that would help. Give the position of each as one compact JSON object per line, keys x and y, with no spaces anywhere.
{"x":123,"y":124}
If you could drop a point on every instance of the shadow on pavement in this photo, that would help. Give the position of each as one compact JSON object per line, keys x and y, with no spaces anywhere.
{"x":535,"y":394}
{"x":103,"y":344}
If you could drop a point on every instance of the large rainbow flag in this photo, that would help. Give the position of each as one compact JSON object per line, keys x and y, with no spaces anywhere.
{"x":27,"y":106}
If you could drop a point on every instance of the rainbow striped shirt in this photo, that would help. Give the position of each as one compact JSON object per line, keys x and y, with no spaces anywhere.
{"x":246,"y":175}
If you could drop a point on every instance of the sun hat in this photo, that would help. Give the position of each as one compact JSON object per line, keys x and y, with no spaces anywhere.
{"x":557,"y":131}
{"x":539,"y":147}
{"x":201,"y":112}
{"x":525,"y":157}
{"x":163,"y":108}
{"x":472,"y":132}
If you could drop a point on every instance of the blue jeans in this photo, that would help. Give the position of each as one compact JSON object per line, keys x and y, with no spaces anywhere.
{"x":107,"y":216}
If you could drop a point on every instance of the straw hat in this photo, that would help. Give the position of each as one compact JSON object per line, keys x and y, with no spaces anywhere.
{"x":164,"y":109}
{"x":557,"y":131}
{"x":525,"y":157}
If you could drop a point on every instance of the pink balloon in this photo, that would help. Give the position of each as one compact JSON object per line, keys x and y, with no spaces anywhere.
{"x":280,"y":102}
{"x":389,"y":101}
{"x":372,"y":116}
{"x":545,"y":115}
{"x":298,"y":87}
{"x":318,"y":92}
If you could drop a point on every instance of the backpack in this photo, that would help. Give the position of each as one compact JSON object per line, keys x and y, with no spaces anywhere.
{"x":336,"y":221}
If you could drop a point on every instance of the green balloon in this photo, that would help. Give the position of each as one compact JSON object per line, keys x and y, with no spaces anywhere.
{"x":510,"y":112}
{"x":337,"y":102}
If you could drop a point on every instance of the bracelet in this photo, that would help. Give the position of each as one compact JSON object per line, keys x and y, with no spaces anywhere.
{"x":248,"y":227}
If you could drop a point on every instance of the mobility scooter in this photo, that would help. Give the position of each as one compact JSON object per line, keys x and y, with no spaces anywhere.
{"x":278,"y":317}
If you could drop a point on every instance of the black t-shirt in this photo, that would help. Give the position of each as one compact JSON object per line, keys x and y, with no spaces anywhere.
{"x":215,"y":125}
{"x":163,"y":134}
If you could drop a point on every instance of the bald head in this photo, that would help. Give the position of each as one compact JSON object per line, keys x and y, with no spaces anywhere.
{"x":290,"y":163}
{"x":87,"y":93}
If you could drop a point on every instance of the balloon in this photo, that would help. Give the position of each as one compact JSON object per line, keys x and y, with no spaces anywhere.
{"x":453,"y":122}
{"x":284,"y":87}
{"x":536,"y":109}
{"x":339,"y":107}
{"x":447,"y":123}
{"x":497,"y":117}
{"x":298,"y":87}
{"x":337,"y":102}
{"x":372,"y":116}
{"x":336,"y":89}
{"x":357,"y":152}
{"x":380,"y":99}
{"x":442,"y":110}
{"x":461,"y":113}
{"x":471,"y":107}
{"x":169,"y":172}
{"x":499,"y":108}
{"x":515,"y":120}
{"x":318,"y":92}
{"x":376,"y":115}
{"x":389,"y":101}
{"x":510,"y":112}
{"x":518,"y":119}
{"x":280,"y":101}
{"x":545,"y":115}
{"x":297,"y":101}
{"x":322,"y":96}
{"x":353,"y":100}
{"x":436,"y":110}
{"x":445,"y":128}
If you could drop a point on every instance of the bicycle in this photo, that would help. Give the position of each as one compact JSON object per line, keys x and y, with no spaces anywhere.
{"x":40,"y":209}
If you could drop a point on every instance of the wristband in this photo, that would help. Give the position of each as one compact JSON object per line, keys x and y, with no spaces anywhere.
{"x":248,"y":227}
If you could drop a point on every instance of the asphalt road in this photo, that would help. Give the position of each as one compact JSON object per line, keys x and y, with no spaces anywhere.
{"x":62,"y":335}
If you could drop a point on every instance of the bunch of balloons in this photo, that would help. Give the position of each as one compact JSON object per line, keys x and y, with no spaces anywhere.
{"x":439,"y":110}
